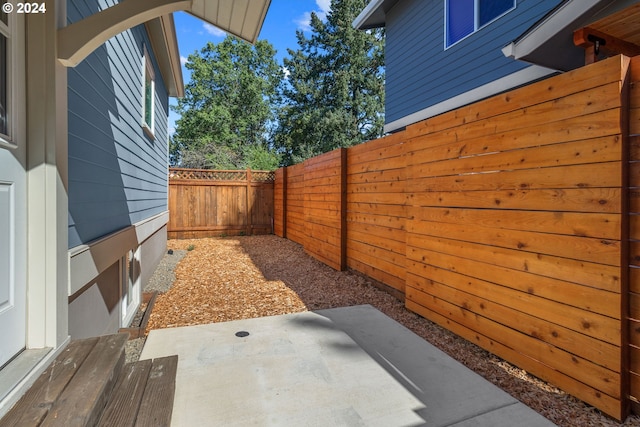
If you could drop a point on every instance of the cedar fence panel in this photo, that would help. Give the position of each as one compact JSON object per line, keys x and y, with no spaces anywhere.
{"x":507,"y":222}
{"x":210,"y":203}
{"x":634,"y":233}
{"x":476,"y":179}
{"x":324,"y":183}
{"x":376,"y":210}
{"x":294,"y":215}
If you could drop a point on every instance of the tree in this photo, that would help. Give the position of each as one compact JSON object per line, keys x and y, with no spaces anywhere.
{"x":228,"y":111}
{"x":335,"y":92}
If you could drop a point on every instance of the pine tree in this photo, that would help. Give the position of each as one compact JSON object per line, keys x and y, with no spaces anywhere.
{"x":334,"y":95}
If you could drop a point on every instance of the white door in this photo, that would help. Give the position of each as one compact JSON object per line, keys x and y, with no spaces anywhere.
{"x":13,"y":189}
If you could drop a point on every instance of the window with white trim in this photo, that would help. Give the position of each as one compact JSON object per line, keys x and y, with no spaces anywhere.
{"x":465,"y":17}
{"x":5,"y":77}
{"x":148,"y":94}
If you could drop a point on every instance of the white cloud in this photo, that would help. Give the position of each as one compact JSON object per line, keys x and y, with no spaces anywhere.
{"x":183,"y":60}
{"x":304,"y":21}
{"x":212,"y":30}
{"x":286,"y":72}
{"x":324,"y":6}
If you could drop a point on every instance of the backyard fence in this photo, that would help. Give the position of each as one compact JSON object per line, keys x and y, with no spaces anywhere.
{"x":512,"y":222}
{"x":211,"y":203}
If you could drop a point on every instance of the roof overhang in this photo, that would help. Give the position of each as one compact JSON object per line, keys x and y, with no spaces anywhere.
{"x":162,"y":33}
{"x":374,"y":15}
{"x":550,"y":42}
{"x":242,"y":18}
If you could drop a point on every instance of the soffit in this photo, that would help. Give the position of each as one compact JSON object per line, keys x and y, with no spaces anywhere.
{"x":550,"y":42}
{"x":374,"y":15}
{"x":623,"y":25}
{"x":242,"y":18}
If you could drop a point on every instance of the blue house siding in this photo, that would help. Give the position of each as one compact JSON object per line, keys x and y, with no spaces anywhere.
{"x":420,"y":73}
{"x":117,"y":174}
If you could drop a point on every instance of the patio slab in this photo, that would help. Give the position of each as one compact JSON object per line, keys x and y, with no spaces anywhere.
{"x":351,"y":366}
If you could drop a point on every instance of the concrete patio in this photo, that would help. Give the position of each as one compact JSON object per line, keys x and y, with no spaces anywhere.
{"x":351,"y":366}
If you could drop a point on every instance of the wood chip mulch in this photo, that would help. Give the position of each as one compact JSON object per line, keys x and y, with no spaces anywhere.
{"x":223,"y":279}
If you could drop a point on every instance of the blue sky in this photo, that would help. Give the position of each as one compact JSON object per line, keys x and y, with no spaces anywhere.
{"x":283,"y":19}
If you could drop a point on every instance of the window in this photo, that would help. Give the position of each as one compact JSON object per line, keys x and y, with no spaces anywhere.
{"x":464,"y":17}
{"x":5,"y":64}
{"x":148,"y":94}
{"x":130,"y":286}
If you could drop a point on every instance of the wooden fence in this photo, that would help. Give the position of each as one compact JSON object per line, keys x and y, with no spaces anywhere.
{"x":210,"y":203}
{"x":505,"y":221}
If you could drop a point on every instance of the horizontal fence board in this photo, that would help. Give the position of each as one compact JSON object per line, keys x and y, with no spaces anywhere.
{"x":598,"y":351}
{"x":373,"y":209}
{"x":537,"y":335}
{"x":604,"y":122}
{"x":425,"y":264}
{"x":557,"y":281}
{"x":564,"y":85}
{"x":546,"y":356}
{"x":591,"y":151}
{"x":382,"y":198}
{"x":575,"y":176}
{"x":604,"y":200}
{"x":606,"y":226}
{"x":378,"y":230}
{"x":378,"y":165}
{"x":376,"y":273}
{"x":387,"y":175}
{"x":590,"y":249}
{"x":588,"y":394}
{"x":378,"y":238}
{"x":395,"y":263}
{"x":599,"y":125}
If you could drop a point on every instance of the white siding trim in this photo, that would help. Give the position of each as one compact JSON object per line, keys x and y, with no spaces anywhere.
{"x":518,"y":78}
{"x":87,"y":261}
{"x":366,"y":13}
{"x":550,"y":26}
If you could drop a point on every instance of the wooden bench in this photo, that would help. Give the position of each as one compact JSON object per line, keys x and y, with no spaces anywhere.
{"x":89,"y":384}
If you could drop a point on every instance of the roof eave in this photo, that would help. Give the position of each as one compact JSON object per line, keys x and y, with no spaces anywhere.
{"x":372,"y":16}
{"x":549,"y":42}
{"x":162,"y":34}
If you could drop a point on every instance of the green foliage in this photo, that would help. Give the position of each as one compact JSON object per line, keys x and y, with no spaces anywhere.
{"x":335,"y":92}
{"x":228,"y":113}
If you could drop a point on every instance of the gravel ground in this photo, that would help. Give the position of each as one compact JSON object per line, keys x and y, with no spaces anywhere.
{"x":253,"y":276}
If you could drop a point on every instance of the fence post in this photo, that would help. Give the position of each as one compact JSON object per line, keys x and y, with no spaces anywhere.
{"x":284,"y":202}
{"x":249,"y":210}
{"x":343,"y":209}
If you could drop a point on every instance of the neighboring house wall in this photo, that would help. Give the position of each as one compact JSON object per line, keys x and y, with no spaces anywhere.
{"x":117,"y":176}
{"x":421,"y":73}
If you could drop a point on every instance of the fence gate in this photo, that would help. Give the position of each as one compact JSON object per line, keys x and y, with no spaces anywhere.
{"x":212,"y":203}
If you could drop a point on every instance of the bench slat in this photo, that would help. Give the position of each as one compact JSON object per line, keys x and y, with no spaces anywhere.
{"x":157,"y":403}
{"x":33,"y":407}
{"x":123,"y":407}
{"x":82,"y":403}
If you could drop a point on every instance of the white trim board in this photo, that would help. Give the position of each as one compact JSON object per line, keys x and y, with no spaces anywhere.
{"x":518,"y":78}
{"x":86,"y":262}
{"x":547,"y":28}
